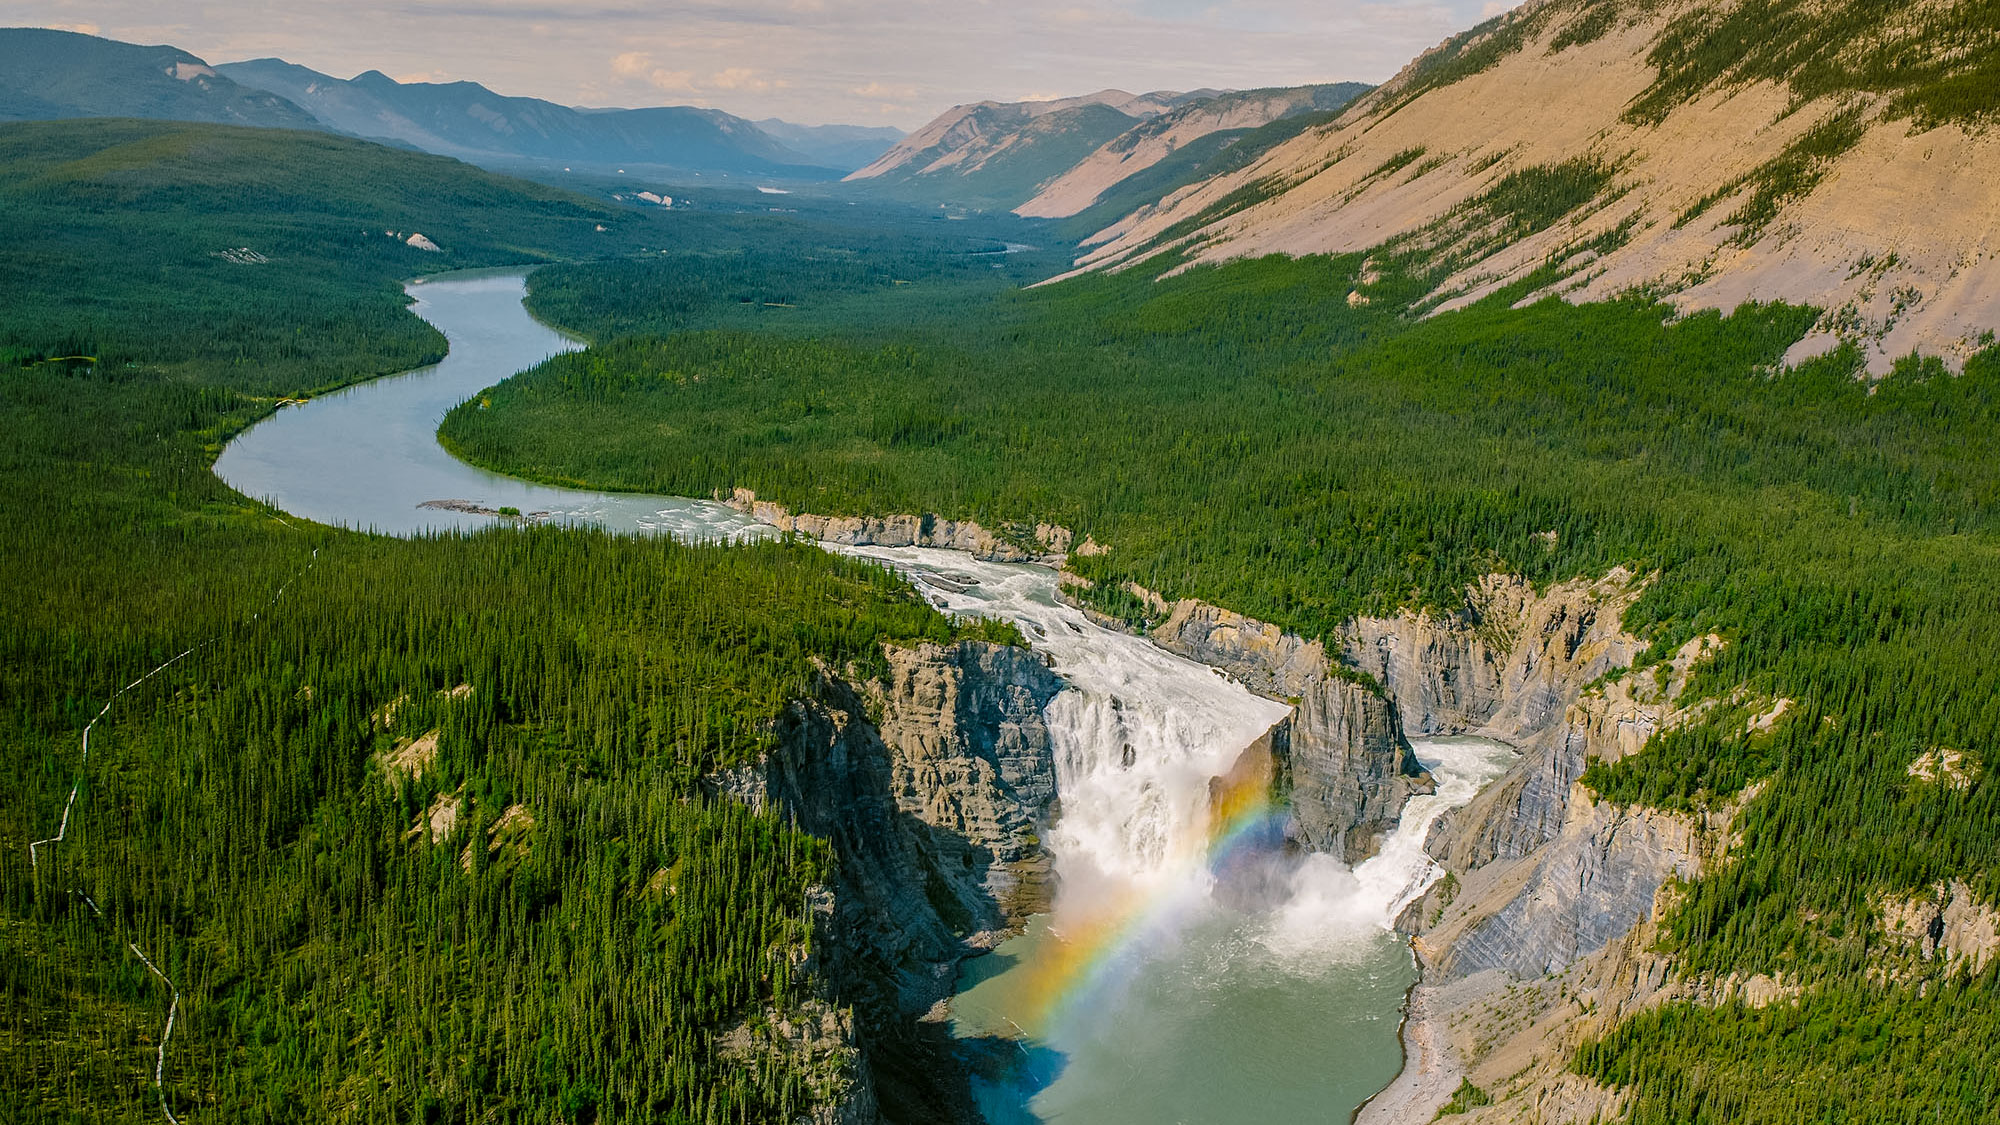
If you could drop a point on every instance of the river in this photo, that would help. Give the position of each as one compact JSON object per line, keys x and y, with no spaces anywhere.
{"x":1186,"y":973}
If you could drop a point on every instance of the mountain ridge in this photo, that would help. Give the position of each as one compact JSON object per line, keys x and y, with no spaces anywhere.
{"x":1709,"y":176}
{"x":51,"y":74}
{"x":1058,"y":158}
{"x":47,"y":74}
{"x":472,"y":122}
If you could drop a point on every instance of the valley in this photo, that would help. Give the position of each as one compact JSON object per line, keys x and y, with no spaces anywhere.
{"x":1463,"y":596}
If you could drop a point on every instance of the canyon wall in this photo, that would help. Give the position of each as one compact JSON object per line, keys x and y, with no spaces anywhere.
{"x":1342,"y":757}
{"x":1046,"y":544}
{"x":1541,"y":934}
{"x":934,"y":783}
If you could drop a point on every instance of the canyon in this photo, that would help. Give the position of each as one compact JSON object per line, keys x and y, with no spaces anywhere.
{"x":1538,"y":934}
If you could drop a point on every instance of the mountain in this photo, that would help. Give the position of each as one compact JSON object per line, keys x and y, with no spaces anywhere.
{"x":1145,"y":163}
{"x":471,"y":122}
{"x":45,"y":75}
{"x":1839,"y":158}
{"x":999,"y":154}
{"x":843,"y":147}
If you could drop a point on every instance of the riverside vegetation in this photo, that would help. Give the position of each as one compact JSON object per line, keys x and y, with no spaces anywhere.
{"x":1247,"y":435}
{"x":546,"y":921}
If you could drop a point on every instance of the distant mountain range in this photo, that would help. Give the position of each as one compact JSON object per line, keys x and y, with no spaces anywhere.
{"x":845,"y":147}
{"x":46,"y":75}
{"x":1100,"y":153}
{"x":53,"y":74}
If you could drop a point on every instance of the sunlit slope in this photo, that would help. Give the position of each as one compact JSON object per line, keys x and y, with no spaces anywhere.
{"x":1827,"y":154}
{"x":1176,"y":138}
{"x":997,"y":155}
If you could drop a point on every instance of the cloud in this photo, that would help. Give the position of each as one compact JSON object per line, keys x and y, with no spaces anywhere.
{"x":79,"y":28}
{"x":672,"y":81}
{"x":631,"y":64}
{"x":739,"y":78}
{"x":884,"y":90}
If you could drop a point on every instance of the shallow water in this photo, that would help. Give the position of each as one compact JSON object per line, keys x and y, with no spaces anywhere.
{"x":1189,"y":970}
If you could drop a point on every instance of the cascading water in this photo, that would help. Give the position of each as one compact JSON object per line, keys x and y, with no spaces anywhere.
{"x":1157,"y":990}
{"x":1182,"y":976}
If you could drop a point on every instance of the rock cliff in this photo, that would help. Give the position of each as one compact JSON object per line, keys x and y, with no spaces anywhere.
{"x":1042,"y":543}
{"x":1541,"y":936}
{"x":1341,"y":754}
{"x":934,"y":782}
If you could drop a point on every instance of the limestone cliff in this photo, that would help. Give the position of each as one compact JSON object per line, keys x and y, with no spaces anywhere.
{"x":1541,"y":936}
{"x":1042,"y":543}
{"x":934,"y":783}
{"x":1506,"y":666}
{"x":1342,"y":755}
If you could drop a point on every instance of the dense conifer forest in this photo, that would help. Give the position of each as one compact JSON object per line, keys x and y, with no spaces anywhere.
{"x":1247,"y":435}
{"x":413,"y":828}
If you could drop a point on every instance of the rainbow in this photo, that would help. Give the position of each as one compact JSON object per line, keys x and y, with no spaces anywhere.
{"x":1093,"y":956}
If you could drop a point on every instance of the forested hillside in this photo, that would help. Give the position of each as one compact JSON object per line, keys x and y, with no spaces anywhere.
{"x":278,"y":254}
{"x":408,"y":829}
{"x":1249,"y":436}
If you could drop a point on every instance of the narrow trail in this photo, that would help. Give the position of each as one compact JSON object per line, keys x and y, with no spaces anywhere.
{"x":69,"y":806}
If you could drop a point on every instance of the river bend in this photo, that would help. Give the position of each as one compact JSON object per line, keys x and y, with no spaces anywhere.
{"x":1150,"y":994}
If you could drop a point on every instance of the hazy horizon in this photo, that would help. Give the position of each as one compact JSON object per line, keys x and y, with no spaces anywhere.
{"x":858,"y":62}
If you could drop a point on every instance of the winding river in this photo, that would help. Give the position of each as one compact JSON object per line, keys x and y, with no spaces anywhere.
{"x":1178,"y":978}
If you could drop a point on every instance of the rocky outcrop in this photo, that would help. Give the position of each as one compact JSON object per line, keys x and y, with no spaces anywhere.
{"x":1043,"y":543}
{"x":1348,"y":769}
{"x":1509,"y":665}
{"x":1949,"y":924}
{"x":1342,"y":756}
{"x":1542,"y":936}
{"x":934,"y":783}
{"x":1538,"y":915}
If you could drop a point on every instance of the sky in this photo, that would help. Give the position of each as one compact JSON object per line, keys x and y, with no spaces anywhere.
{"x":864,"y":62}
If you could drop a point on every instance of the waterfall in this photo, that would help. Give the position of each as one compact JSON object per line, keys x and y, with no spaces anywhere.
{"x":1141,"y":737}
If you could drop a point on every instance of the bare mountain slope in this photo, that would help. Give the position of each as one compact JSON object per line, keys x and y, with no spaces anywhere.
{"x":1000,"y":153}
{"x":1832,"y":154}
{"x":1148,"y":144}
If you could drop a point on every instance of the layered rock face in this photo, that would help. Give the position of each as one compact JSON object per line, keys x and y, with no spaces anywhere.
{"x":1544,"y":930}
{"x":934,"y":784}
{"x":1341,"y":754}
{"x":1508,"y":666}
{"x":1046,"y":544}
